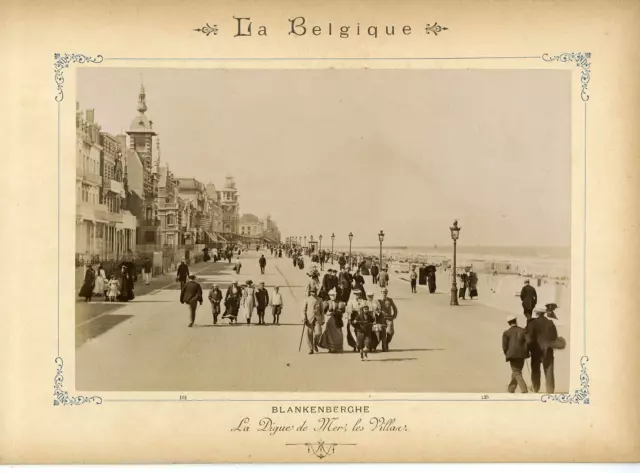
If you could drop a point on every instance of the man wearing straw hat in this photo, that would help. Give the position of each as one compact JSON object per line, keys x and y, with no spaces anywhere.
{"x":514,"y":346}
{"x":313,"y":319}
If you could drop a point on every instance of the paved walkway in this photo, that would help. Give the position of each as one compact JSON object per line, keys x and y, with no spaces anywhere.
{"x":437,"y":348}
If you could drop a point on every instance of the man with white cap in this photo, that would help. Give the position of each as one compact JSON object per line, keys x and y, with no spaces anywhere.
{"x":313,"y":319}
{"x":514,"y":346}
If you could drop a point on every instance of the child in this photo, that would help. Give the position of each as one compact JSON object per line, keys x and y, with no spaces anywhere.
{"x":276,"y":305}
{"x":113,"y":288}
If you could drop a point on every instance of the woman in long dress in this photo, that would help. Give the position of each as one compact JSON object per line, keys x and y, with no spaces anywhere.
{"x":249,"y":300}
{"x":86,"y":290}
{"x":101,"y":280}
{"x":332,"y":338}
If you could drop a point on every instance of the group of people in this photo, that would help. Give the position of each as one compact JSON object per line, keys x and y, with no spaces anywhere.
{"x":239,"y":301}
{"x":369,"y":322}
{"x":116,"y":287}
{"x":537,"y":340}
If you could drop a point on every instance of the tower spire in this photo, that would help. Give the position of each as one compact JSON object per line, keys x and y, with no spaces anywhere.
{"x":142,"y":98}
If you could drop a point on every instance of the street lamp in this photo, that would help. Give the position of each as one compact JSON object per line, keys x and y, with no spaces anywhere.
{"x":455,"y":234}
{"x":320,"y":240}
{"x":333,"y":237}
{"x":350,"y":239}
{"x":381,"y":238}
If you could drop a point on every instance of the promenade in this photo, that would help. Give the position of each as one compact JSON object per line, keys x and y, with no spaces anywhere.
{"x":147,"y":345}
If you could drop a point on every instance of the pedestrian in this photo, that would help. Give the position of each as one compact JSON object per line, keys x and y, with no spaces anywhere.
{"x":100,"y":281}
{"x":262,"y":302}
{"x":147,"y":270}
{"x":383,"y":278}
{"x":126,"y":282}
{"x":276,"y":305}
{"x":332,"y":304}
{"x":345,"y":286}
{"x":314,"y":282}
{"x":86,"y":290}
{"x":331,"y":338}
{"x":215,"y":297}
{"x":529,"y":298}
{"x":248,"y":300}
{"x":358,"y":280}
{"x":375,"y":271}
{"x":342,"y":261}
{"x":413,"y":278}
{"x":464,"y":284}
{"x":431,"y":280}
{"x":390,"y":313}
{"x":542,"y":335}
{"x":327,"y":284}
{"x":263,"y":263}
{"x":473,"y":283}
{"x":313,"y":319}
{"x":363,"y":326}
{"x":514,"y":346}
{"x":374,"y":310}
{"x":322,"y":260}
{"x":237,"y":266}
{"x":232,"y":302}
{"x":113,"y":288}
{"x":182,"y":274}
{"x":191,"y":294}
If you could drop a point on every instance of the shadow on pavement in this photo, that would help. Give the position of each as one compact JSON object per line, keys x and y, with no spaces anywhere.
{"x":244,"y":324}
{"x":392,"y":359}
{"x":402,"y":350}
{"x":98,"y":327}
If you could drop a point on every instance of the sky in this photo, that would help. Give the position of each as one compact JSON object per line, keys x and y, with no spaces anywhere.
{"x":364,"y":150}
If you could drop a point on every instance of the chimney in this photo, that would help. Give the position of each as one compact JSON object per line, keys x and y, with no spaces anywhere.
{"x":91,"y":115}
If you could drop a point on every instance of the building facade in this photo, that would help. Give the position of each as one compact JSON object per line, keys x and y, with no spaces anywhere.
{"x":104,"y":228}
{"x":251,"y":226}
{"x":230,"y":206}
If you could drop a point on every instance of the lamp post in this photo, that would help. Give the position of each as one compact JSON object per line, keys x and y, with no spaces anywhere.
{"x":333,"y":237}
{"x":350,"y":239}
{"x":305,"y":241}
{"x":455,"y":234}
{"x":320,"y":240}
{"x":381,"y":238}
{"x":311,"y":248}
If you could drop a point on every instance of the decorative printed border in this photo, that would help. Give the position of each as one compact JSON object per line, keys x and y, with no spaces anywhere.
{"x":62,"y":61}
{"x":320,"y":449}
{"x":579,"y":396}
{"x":207,"y":29}
{"x":61,"y":397}
{"x":581,"y":60}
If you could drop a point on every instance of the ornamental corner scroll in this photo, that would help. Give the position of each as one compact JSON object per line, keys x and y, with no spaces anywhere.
{"x":62,"y":61}
{"x":61,"y":397}
{"x":582,"y":61}
{"x":580,"y":395}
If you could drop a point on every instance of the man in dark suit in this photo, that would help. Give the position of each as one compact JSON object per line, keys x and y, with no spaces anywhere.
{"x":541,"y":334}
{"x":529,"y":299}
{"x":191,"y":294}
{"x":514,"y":346}
{"x":182,"y":274}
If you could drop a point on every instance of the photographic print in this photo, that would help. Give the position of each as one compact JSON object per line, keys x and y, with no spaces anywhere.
{"x":323,"y":230}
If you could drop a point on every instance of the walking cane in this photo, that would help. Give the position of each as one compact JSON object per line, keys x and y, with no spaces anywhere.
{"x":301,"y":336}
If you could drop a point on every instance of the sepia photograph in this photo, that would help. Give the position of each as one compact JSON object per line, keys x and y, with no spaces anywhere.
{"x":323,"y":230}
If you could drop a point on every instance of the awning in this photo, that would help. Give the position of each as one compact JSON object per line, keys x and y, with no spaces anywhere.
{"x":213,"y":238}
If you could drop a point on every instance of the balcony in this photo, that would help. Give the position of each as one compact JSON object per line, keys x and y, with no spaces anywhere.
{"x":150,"y":222}
{"x":92,"y":178}
{"x":113,"y":186}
